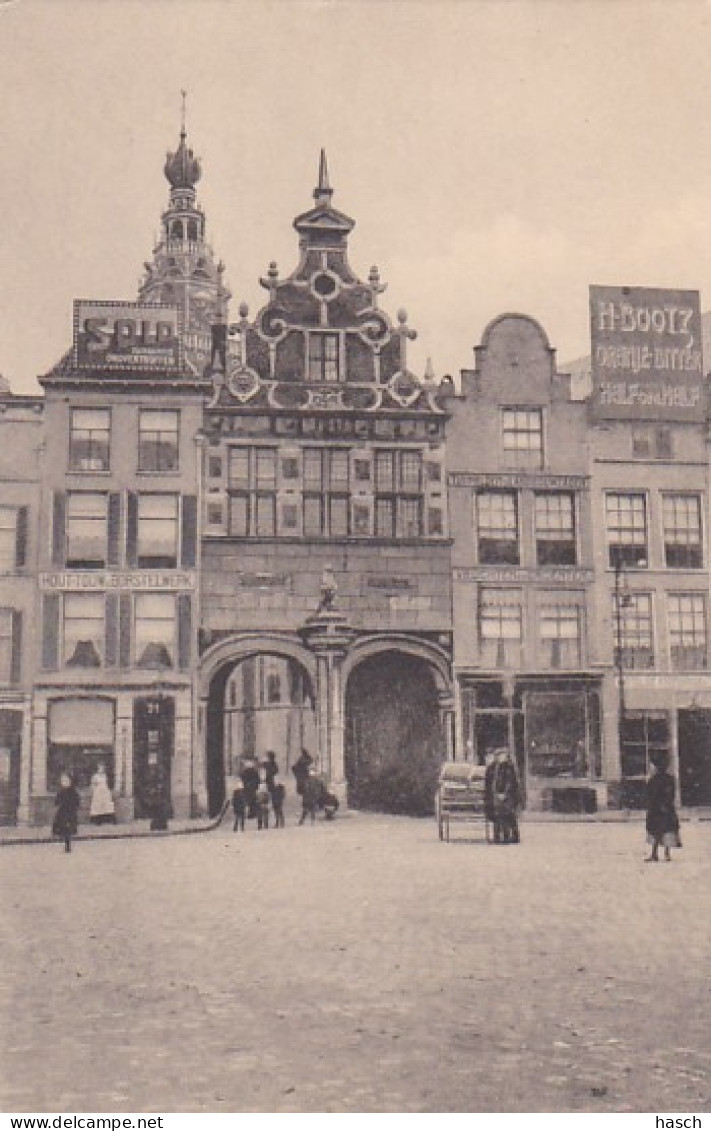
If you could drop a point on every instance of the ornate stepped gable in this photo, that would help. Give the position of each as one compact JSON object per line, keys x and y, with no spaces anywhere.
{"x":321,"y":341}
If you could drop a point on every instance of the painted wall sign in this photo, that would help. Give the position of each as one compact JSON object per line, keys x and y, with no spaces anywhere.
{"x":518,"y":479}
{"x":543,"y":575}
{"x":126,"y":336}
{"x":646,"y":354}
{"x":141,"y":579}
{"x":265,"y":580}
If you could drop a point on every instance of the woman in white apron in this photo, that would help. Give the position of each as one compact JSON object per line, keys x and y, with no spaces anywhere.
{"x":101,"y":811}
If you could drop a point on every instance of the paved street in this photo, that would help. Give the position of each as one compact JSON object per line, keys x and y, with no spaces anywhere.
{"x":358,"y":966}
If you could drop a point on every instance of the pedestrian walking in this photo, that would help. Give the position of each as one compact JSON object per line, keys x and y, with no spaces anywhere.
{"x":662,"y":821}
{"x":300,"y":770}
{"x":311,"y":790}
{"x":250,"y":782}
{"x":271,"y":770}
{"x":262,"y":803}
{"x":278,"y":794}
{"x":101,"y":809}
{"x":239,"y":807}
{"x":489,"y":810}
{"x":66,"y":816}
{"x":507,"y":796}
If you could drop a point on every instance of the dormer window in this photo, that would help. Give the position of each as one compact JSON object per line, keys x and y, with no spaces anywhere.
{"x":323,"y":357}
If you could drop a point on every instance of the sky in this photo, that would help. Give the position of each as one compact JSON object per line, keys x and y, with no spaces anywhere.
{"x":496,"y":155}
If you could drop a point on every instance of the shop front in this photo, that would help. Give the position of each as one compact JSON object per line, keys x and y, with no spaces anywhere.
{"x":552,"y":729}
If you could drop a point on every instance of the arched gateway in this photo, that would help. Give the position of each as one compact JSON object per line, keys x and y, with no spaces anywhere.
{"x":375,"y":712}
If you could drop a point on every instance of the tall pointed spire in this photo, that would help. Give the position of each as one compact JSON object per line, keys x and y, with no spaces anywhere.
{"x":323,"y":191}
{"x":183,"y":131}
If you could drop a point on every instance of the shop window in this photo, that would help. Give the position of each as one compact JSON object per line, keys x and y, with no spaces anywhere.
{"x":157,"y":531}
{"x":323,"y":356}
{"x":158,"y":440}
{"x":500,"y":627}
{"x":83,"y":630}
{"x":86,"y":530}
{"x":555,"y":528}
{"x":81,"y":735}
{"x":154,"y":630}
{"x":560,"y":636}
{"x":497,"y":527}
{"x":634,"y":644}
{"x":89,"y":439}
{"x":682,"y":531}
{"x":13,"y":538}
{"x":522,"y":437}
{"x":557,"y":734}
{"x":687,"y":630}
{"x":643,"y":736}
{"x":626,"y":516}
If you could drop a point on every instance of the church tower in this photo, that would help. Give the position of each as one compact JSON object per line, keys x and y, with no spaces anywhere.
{"x":183,"y":271}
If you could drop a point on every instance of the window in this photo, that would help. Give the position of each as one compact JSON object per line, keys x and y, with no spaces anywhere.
{"x":555,"y":528}
{"x":434,"y":472}
{"x":361,"y":520}
{"x":252,"y":484}
{"x":650,"y":441}
{"x":83,"y":630}
{"x":214,"y":467}
{"x":687,"y":630}
{"x":399,"y":499}
{"x":643,"y":735}
{"x":435,"y":522}
{"x":323,"y":356}
{"x":362,"y":470}
{"x":6,"y":646}
{"x":154,"y":630}
{"x":326,"y":492}
{"x":626,"y":529}
{"x":290,"y":468}
{"x":86,"y":530}
{"x":500,"y":627}
{"x":682,"y":531}
{"x":560,"y":635}
{"x":13,"y":524}
{"x":522,"y":437}
{"x":157,"y":531}
{"x":633,"y":642}
{"x":89,"y":435}
{"x":497,"y":527}
{"x":158,"y":440}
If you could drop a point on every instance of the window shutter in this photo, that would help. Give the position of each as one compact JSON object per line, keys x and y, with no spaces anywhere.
{"x":125,"y":630}
{"x":184,"y":630}
{"x":132,"y":529}
{"x":112,"y":625}
{"x":21,"y":538}
{"x":59,"y":528}
{"x":188,"y":549}
{"x":16,"y":661}
{"x":114,"y":530}
{"x":50,"y":631}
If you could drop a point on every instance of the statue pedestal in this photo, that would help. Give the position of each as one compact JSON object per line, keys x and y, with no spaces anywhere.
{"x":328,"y":634}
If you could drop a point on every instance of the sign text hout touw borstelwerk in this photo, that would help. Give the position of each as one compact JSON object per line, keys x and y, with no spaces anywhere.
{"x":646,"y":354}
{"x":126,"y":336}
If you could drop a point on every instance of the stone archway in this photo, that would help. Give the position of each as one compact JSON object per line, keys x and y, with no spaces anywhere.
{"x":398,"y":724}
{"x":219,"y":666}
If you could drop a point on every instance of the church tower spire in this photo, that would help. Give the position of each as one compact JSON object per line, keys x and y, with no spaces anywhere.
{"x":183,"y":271}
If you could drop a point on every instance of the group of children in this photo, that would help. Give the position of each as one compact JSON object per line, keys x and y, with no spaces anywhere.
{"x":258,"y":791}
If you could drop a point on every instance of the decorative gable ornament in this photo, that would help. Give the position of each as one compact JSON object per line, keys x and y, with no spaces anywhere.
{"x":242,"y":382}
{"x":404,"y":387}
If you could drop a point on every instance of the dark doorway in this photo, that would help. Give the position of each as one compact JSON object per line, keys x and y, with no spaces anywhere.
{"x":695,"y":757}
{"x":394,"y":740}
{"x":153,"y":738}
{"x":10,"y":744}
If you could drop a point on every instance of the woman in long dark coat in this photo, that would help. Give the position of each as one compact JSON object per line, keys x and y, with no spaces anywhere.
{"x":66,"y":817}
{"x":662,"y":819}
{"x":507,"y":797}
{"x":250,"y":782}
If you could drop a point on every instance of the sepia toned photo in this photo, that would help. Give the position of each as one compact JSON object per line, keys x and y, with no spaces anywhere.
{"x":355,"y":497}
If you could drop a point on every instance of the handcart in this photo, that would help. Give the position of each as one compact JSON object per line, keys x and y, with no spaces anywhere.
{"x":460,"y":796}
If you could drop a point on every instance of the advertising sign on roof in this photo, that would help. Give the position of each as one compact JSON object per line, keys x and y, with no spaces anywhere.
{"x":646,"y":354}
{"x":126,"y":336}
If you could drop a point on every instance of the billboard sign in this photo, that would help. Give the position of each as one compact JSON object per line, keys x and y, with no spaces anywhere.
{"x":646,"y":354}
{"x":126,"y":336}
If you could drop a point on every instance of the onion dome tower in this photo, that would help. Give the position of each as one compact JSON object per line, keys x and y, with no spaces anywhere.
{"x":183,"y":271}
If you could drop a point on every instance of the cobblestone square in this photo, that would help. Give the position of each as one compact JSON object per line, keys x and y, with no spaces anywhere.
{"x":358,"y":966}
